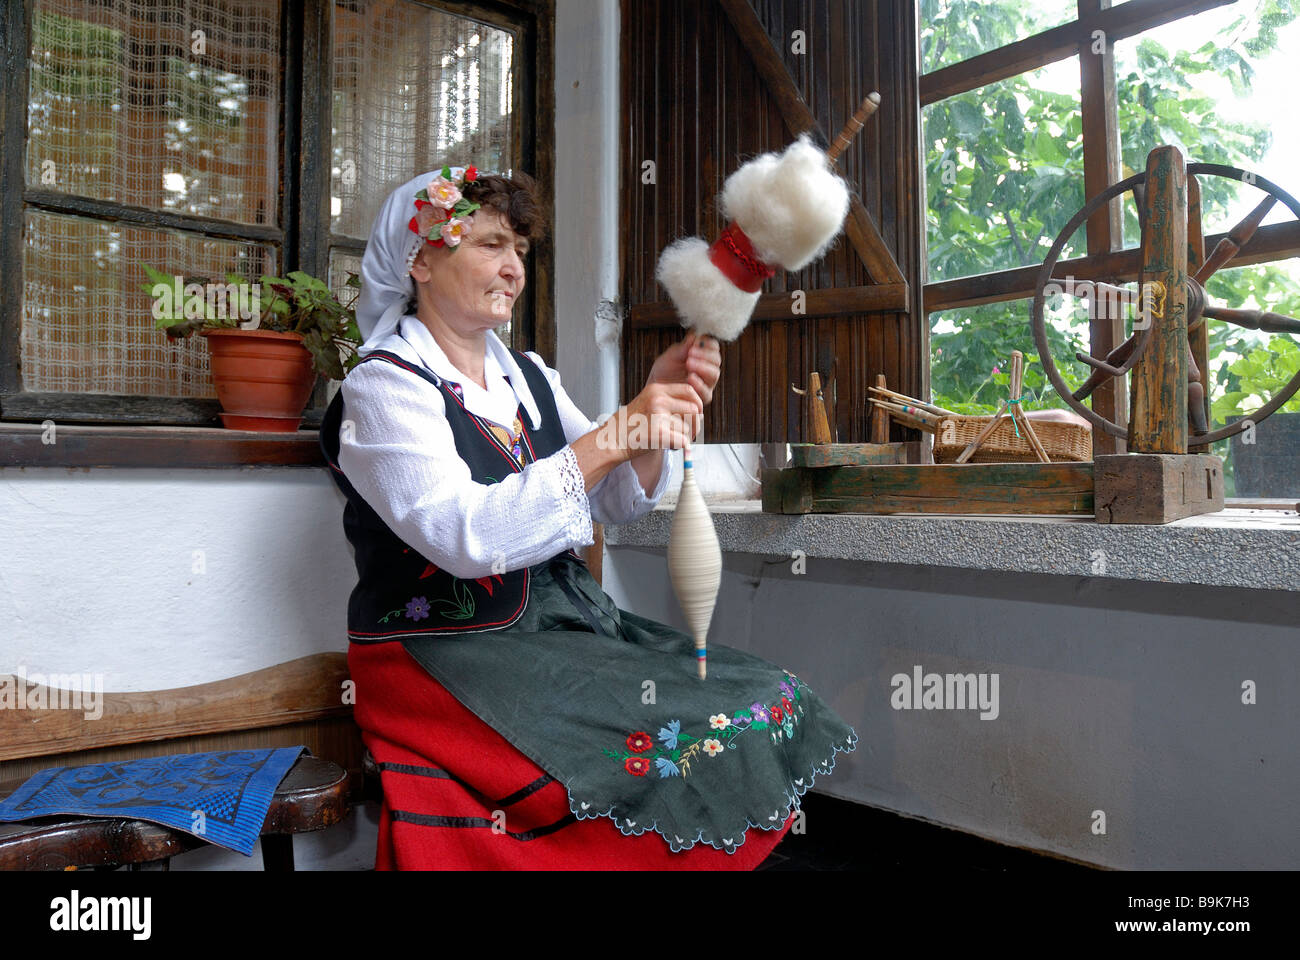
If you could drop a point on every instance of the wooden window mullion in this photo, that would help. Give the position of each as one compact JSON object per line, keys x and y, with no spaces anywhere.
{"x":1101,"y":168}
{"x":290,"y":141}
{"x":1058,"y":43}
{"x":13,"y":142}
{"x":309,"y":203}
{"x":313,"y":194}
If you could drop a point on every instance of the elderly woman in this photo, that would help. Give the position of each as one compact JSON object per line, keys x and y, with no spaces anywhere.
{"x":518,"y":716}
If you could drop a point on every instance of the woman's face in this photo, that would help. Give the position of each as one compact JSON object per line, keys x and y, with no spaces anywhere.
{"x":474,"y":286}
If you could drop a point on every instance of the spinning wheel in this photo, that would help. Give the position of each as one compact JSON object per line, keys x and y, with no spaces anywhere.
{"x":1166,"y":352}
{"x":1168,"y":473}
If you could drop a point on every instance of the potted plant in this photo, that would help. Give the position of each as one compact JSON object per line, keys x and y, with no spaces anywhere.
{"x":267,"y":341}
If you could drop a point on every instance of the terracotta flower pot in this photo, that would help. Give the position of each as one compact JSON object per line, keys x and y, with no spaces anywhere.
{"x":263,"y":378}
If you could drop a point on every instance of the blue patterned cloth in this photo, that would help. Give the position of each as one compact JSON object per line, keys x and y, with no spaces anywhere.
{"x":218,"y":797}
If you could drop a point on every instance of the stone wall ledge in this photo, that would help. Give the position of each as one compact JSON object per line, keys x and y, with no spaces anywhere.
{"x":1238,"y":547}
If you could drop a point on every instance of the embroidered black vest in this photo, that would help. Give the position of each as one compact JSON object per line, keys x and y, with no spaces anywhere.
{"x":400,"y":593}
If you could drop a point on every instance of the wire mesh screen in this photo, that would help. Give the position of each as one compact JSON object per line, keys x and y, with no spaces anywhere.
{"x":414,"y":89}
{"x":88,"y":323}
{"x":171,"y":106}
{"x":341,"y":264}
{"x":166,"y":104}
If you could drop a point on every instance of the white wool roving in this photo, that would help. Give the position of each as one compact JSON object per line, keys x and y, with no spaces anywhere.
{"x":790,"y":205}
{"x":704,"y":297}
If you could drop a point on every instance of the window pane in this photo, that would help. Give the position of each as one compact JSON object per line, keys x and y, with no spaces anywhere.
{"x":171,"y":107}
{"x":1247,"y":368}
{"x":970,"y":361}
{"x":1004,"y":173}
{"x":88,"y":325}
{"x":341,"y":264}
{"x":1218,"y":85}
{"x":956,"y":30}
{"x":414,"y":89}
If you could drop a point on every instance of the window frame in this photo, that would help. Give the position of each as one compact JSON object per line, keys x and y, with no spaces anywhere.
{"x":1101,"y":160}
{"x":121,"y":430}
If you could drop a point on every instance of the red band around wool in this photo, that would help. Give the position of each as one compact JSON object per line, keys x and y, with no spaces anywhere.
{"x":733,"y":254}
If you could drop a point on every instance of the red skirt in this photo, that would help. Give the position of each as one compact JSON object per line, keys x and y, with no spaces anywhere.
{"x":459,"y":796}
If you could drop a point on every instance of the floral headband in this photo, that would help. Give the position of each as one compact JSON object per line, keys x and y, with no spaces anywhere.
{"x":441,"y":210}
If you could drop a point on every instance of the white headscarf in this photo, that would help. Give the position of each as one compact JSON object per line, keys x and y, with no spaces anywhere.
{"x":387,"y":288}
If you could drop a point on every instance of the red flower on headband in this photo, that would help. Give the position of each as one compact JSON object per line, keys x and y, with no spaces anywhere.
{"x":439,"y":224}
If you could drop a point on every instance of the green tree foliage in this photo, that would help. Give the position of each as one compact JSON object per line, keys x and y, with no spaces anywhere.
{"x":1258,"y":375}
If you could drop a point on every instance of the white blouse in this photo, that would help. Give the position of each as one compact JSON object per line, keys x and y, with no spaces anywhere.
{"x":396,"y":449}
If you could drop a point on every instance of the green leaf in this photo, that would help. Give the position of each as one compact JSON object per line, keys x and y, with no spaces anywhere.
{"x":1047,"y":149}
{"x":157,"y":276}
{"x":967,"y":118}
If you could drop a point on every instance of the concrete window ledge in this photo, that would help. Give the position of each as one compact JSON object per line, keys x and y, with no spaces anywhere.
{"x":1256,"y":549}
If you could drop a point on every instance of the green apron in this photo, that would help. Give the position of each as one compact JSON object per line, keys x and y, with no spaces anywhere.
{"x":621,"y":719}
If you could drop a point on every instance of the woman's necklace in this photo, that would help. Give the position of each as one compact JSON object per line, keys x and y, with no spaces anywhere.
{"x":513,"y":442}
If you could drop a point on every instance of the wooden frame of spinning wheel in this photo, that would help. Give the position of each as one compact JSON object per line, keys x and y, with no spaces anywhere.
{"x":1159,"y":480}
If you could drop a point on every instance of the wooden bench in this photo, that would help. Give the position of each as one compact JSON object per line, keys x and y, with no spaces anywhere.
{"x":297,"y":702}
{"x":312,"y":796}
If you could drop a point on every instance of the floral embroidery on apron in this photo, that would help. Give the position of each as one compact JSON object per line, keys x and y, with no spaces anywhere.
{"x":674,"y":758}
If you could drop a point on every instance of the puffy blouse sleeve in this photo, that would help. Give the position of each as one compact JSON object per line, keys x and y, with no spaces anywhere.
{"x":396,"y":449}
{"x":619,"y":496}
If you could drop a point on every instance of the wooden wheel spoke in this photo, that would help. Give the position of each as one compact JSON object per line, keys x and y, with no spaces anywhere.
{"x":1264,"y":320}
{"x":1099,"y":292}
{"x":1200,"y":423}
{"x":1096,"y":364}
{"x":1115,"y":365}
{"x":1237,"y":237}
{"x":1140,"y":201}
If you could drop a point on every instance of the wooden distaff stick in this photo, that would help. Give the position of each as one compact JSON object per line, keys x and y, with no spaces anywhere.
{"x":856,"y":123}
{"x":694,"y":557}
{"x":919,"y":418}
{"x":892,"y":397}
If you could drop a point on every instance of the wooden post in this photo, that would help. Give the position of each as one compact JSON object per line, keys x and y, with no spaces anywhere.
{"x":879,"y":416}
{"x":820,"y":425}
{"x":1101,"y":168}
{"x":1199,"y":339}
{"x":821,"y":428}
{"x":1158,"y":421}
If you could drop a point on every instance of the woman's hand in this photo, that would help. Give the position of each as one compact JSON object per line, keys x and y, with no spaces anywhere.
{"x":696,"y":361}
{"x":663,"y":416}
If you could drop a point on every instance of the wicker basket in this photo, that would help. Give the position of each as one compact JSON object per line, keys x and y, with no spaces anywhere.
{"x":1062,"y":441}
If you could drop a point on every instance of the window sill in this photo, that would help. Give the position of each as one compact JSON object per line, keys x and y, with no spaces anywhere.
{"x":23,"y":445}
{"x":1238,"y":547}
